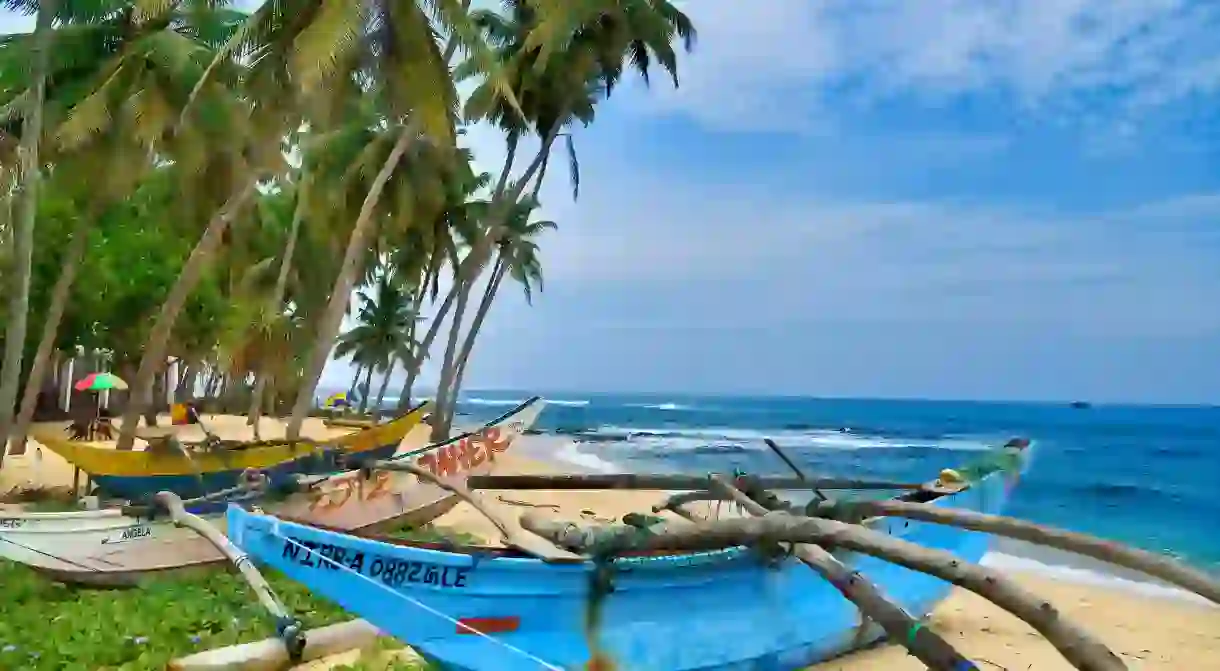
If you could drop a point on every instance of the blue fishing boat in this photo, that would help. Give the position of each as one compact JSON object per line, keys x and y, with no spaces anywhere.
{"x":484,"y":609}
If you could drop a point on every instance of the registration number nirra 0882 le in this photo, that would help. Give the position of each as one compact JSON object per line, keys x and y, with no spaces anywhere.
{"x":386,"y":570}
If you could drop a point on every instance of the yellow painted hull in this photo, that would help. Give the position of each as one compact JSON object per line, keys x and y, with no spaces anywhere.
{"x":136,"y":474}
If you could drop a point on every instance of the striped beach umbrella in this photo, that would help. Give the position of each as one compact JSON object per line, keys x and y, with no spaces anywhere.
{"x":100,"y":382}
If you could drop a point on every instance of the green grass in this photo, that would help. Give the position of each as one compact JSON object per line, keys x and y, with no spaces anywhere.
{"x":49,"y":626}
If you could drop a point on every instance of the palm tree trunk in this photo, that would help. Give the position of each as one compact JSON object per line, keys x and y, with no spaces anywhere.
{"x":158,"y":337}
{"x":444,"y":396}
{"x":186,"y":384}
{"x":23,"y":233}
{"x":351,"y":391}
{"x":254,"y":412}
{"x":364,"y":389}
{"x":541,"y":177}
{"x":421,"y":353}
{"x":276,"y":301}
{"x":471,"y":266}
{"x":50,"y":329}
{"x":489,"y":296}
{"x":385,"y":382}
{"x":340,"y":296}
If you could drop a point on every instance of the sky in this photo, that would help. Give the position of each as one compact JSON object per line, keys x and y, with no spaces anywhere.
{"x":960,"y":199}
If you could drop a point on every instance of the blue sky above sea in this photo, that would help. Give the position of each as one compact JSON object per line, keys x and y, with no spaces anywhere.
{"x":876,"y":198}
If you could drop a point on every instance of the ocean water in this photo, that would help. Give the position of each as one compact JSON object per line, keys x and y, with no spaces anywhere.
{"x":1147,"y":476}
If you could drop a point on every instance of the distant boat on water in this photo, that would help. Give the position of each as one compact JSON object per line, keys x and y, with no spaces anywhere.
{"x":1081,"y":405}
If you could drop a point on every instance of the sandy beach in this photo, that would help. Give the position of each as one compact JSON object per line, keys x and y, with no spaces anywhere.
{"x":1149,"y":633}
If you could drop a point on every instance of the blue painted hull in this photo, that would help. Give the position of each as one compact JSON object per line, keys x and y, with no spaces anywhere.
{"x":712,"y":611}
{"x":143,"y":487}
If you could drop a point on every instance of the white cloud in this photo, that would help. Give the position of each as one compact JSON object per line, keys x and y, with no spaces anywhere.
{"x":782,"y":57}
{"x":1145,"y":270}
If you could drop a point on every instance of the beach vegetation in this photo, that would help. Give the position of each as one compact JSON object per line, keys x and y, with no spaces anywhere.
{"x":217,"y":186}
{"x":48,"y":626}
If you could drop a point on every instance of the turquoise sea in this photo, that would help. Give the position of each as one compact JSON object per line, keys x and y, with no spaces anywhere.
{"x":1148,"y":476}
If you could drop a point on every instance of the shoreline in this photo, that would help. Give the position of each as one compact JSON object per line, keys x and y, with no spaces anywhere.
{"x":1174,"y":630}
{"x":557,"y":452}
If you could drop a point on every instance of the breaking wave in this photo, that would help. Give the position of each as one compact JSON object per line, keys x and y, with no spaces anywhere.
{"x":723,"y":440}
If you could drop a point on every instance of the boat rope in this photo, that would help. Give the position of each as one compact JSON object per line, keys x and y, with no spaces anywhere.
{"x":275,"y":531}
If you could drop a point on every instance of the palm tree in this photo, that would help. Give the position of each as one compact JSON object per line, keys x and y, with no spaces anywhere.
{"x":381,"y":337}
{"x":214,"y":144}
{"x":431,"y":247}
{"x":554,"y":87}
{"x":82,"y":50}
{"x":332,"y":50}
{"x":360,"y":162}
{"x":518,"y":258}
{"x":23,"y":248}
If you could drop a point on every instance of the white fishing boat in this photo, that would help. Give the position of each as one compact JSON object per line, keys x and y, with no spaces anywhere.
{"x":116,"y":548}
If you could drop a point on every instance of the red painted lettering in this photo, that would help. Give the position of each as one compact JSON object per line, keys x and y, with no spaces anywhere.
{"x":427,"y":461}
{"x":447,"y":461}
{"x":465,"y":448}
{"x":380,"y":486}
{"x":491,"y":436}
{"x":478,"y":455}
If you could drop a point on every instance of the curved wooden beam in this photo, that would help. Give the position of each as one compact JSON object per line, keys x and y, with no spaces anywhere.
{"x":923,"y":643}
{"x":511,"y":536}
{"x":287,"y":627}
{"x":1076,"y":645}
{"x":1152,"y":564}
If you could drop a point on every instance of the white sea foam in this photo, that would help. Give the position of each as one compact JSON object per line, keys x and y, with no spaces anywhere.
{"x":518,"y":401}
{"x":492,"y":401}
{"x":661,"y":406}
{"x":677,"y":439}
{"x":572,"y":454}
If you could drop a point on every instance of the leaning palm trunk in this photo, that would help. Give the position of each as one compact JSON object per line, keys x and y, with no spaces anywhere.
{"x":254,"y":412}
{"x":1155,"y":565}
{"x":158,"y":339}
{"x":445,"y":396}
{"x":385,"y":382}
{"x":472,"y":266}
{"x":340,"y":295}
{"x":50,"y":329}
{"x":489,"y":297}
{"x":421,"y":353}
{"x":351,"y":391}
{"x":23,"y":233}
{"x":276,"y":301}
{"x":1076,"y":645}
{"x":364,"y":389}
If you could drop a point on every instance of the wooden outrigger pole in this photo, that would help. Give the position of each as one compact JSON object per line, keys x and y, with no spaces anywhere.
{"x":287,"y":627}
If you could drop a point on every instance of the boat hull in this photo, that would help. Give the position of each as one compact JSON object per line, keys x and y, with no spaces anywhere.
{"x":138,"y":474}
{"x":142,"y":487}
{"x":729,"y":610}
{"x":107,"y":548}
